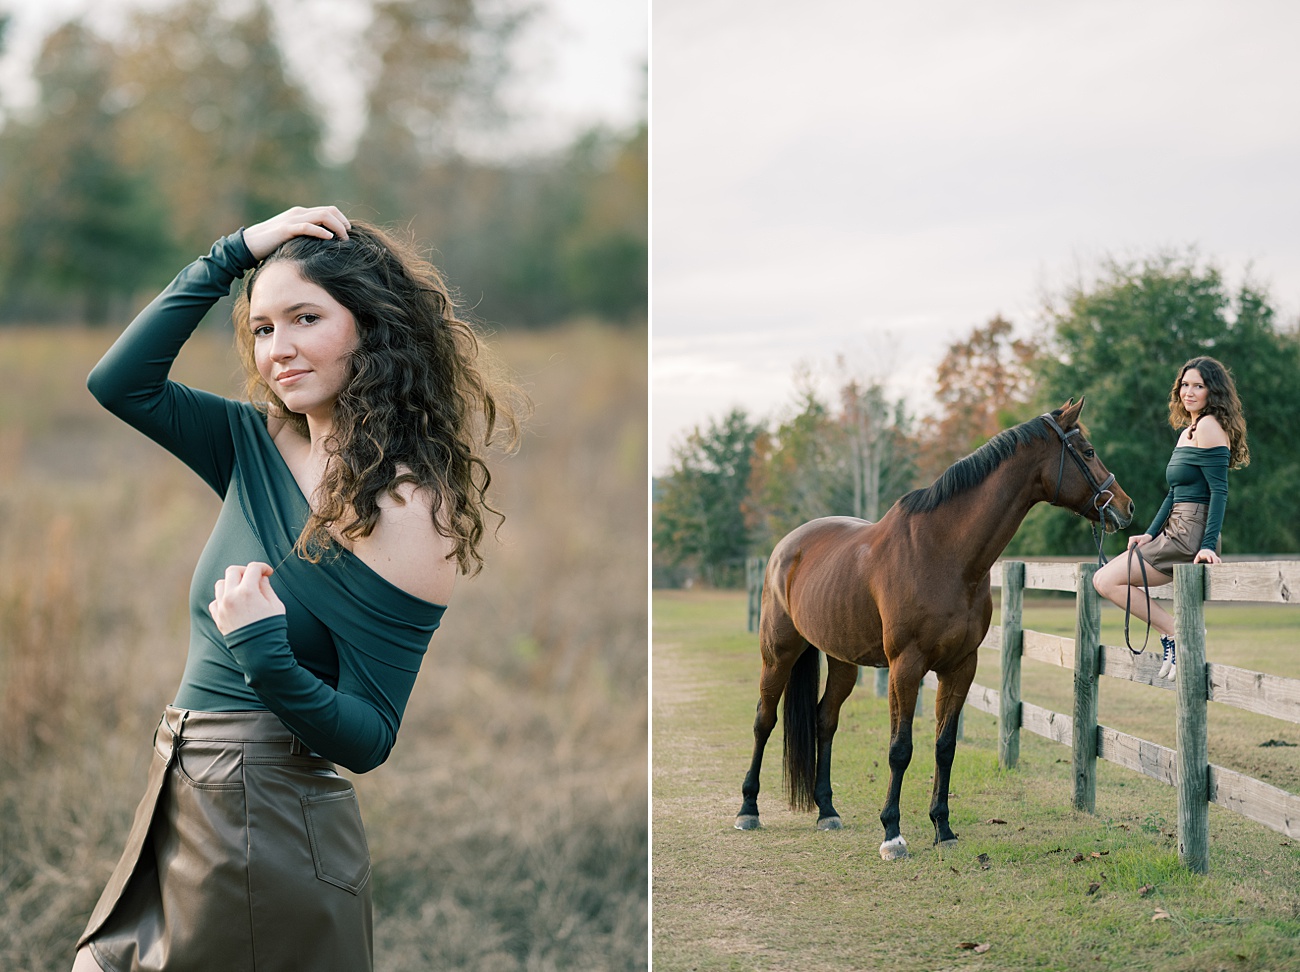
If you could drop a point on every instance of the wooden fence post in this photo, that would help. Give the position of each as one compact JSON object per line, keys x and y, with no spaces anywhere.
{"x":1193,"y":751}
{"x":754,"y":568}
{"x":1013,"y":592}
{"x":1087,"y":650}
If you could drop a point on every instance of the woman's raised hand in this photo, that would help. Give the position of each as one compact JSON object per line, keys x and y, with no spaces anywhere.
{"x":322,"y":222}
{"x":243,"y":596}
{"x":1139,"y":539}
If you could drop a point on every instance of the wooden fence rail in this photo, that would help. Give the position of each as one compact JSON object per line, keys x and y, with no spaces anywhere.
{"x":1199,"y":782}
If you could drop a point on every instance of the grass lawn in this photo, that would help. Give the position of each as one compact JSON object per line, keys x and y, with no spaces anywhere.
{"x":1049,"y":888}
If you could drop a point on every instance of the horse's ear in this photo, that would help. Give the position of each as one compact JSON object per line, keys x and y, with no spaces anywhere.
{"x":1070,"y":413}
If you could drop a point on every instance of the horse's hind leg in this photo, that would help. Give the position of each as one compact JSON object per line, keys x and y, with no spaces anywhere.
{"x":947,"y":709}
{"x":905,"y":674}
{"x":777,"y":662}
{"x":841,"y":676}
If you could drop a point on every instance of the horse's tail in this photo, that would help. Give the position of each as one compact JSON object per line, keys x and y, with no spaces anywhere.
{"x":800,"y":718}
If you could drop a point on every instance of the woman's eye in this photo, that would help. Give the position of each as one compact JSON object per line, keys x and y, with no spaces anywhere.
{"x":309,"y":318}
{"x":262,"y":330}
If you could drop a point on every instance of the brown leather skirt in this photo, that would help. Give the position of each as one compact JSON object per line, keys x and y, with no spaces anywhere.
{"x":247,"y":852}
{"x":1179,"y":540}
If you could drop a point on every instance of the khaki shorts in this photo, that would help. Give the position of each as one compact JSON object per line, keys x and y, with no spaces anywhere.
{"x":1180,"y":540}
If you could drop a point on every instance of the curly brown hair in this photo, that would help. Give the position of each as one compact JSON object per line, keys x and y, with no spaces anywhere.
{"x":423,"y":403}
{"x":1222,"y":403}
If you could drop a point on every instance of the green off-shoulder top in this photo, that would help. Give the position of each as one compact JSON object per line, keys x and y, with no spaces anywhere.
{"x":338,"y":667}
{"x":1197,"y":476}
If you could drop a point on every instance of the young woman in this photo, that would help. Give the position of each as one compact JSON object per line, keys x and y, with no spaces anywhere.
{"x":354,"y":491}
{"x":1204,"y":406}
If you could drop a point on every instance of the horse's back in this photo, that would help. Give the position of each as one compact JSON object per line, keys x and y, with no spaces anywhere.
{"x":818,"y":534}
{"x":817,"y":581}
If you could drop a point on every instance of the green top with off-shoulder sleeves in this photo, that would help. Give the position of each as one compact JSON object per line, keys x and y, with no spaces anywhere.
{"x":1197,"y":476}
{"x":338,"y":667}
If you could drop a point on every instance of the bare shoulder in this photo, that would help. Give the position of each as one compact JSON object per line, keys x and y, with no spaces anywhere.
{"x":1209,"y":433}
{"x":407,"y":550}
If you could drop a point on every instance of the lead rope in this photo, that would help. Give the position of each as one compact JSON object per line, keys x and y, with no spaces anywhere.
{"x":1128,"y":599}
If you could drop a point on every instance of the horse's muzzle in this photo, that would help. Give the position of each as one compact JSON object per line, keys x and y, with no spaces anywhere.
{"x":1114,"y":519}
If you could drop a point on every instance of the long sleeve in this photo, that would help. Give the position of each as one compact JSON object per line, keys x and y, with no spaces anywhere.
{"x":354,"y":724}
{"x":1162,"y":515}
{"x":131,"y":380}
{"x":1215,"y":470}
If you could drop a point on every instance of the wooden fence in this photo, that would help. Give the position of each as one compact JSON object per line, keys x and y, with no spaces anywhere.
{"x":1199,"y":782}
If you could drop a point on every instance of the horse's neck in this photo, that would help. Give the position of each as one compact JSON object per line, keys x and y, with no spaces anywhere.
{"x":974,"y":527}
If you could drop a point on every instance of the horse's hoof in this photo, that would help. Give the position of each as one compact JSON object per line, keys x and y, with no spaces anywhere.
{"x":946,"y":844}
{"x":830,"y":823}
{"x":747,"y":821}
{"x":892,"y":850}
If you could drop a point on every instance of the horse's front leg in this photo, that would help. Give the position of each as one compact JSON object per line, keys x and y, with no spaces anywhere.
{"x":905,"y":674}
{"x":947,"y":710}
{"x":841,"y":676}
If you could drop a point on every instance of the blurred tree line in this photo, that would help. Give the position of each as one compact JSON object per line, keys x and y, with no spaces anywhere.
{"x":139,"y":152}
{"x":737,"y":486}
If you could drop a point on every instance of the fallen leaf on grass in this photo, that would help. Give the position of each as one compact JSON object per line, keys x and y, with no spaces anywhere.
{"x":1145,"y":890}
{"x":1100,"y":853}
{"x":1160,"y":915}
{"x":1094,"y":887}
{"x":976,"y":947}
{"x":1077,"y":858}
{"x":983,"y":861}
{"x":953,"y":869}
{"x":995,"y":820}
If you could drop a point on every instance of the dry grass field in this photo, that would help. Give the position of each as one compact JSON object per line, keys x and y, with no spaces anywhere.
{"x":509,"y":828}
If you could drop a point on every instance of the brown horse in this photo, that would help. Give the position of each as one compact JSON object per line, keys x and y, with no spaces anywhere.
{"x":912,"y":592}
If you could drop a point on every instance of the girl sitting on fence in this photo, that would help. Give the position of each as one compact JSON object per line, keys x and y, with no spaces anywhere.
{"x":1204,"y":406}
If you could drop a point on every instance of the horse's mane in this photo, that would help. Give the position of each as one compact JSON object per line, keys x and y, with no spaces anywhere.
{"x":970,"y":471}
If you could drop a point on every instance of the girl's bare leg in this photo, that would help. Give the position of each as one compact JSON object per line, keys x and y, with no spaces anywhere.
{"x":1121,"y":584}
{"x":85,"y":962}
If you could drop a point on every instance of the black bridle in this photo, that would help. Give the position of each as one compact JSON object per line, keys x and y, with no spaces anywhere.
{"x":1098,"y":491}
{"x":1102,"y":495}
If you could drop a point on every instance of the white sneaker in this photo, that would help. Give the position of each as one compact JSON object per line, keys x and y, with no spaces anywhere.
{"x":1168,"y":664}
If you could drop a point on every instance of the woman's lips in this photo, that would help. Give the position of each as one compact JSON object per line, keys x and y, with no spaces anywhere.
{"x":289,"y":377}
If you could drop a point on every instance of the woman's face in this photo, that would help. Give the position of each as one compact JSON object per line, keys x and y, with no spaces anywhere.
{"x":1192,"y":391}
{"x":303,"y":340}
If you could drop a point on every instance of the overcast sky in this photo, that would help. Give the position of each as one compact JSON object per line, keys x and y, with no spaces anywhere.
{"x":876,"y":179}
{"x":579,"y":63}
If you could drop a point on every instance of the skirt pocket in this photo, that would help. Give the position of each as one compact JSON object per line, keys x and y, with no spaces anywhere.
{"x":210,"y":765}
{"x":338,"y":839}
